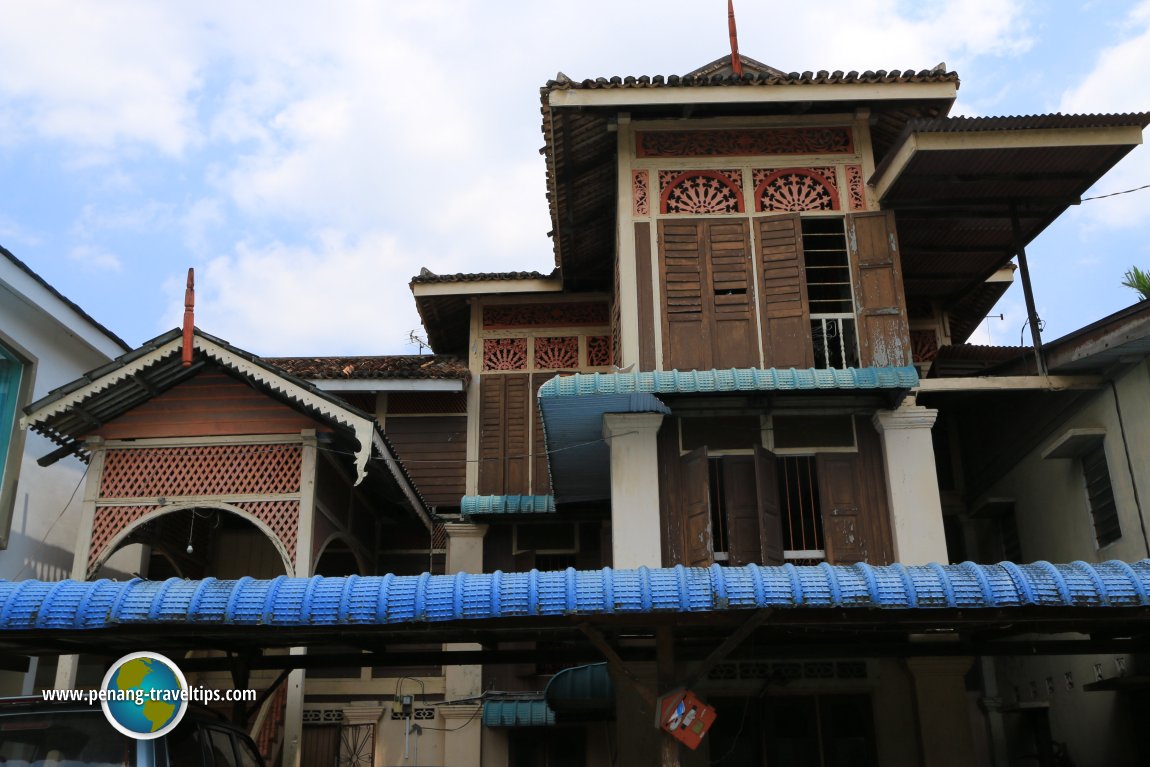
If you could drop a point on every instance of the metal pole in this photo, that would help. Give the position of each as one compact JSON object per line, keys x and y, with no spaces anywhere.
{"x":1027,"y":291}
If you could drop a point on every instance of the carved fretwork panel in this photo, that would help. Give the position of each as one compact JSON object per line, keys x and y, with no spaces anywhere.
{"x":505,"y":354}
{"x":598,"y":351}
{"x":560,"y":353}
{"x":197,"y":470}
{"x":551,"y":315}
{"x":856,"y":187}
{"x":788,"y":190}
{"x":924,"y":345}
{"x":744,"y":142}
{"x":700,"y":191}
{"x":639,"y":194}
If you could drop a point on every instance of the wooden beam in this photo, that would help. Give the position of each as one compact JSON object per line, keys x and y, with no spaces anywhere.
{"x":616,"y":663}
{"x":728,"y":645}
{"x":1009,"y":383}
{"x":697,"y":94}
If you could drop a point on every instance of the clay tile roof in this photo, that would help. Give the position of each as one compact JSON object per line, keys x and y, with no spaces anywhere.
{"x":768,"y":76}
{"x":426,"y":276}
{"x":427,"y":366}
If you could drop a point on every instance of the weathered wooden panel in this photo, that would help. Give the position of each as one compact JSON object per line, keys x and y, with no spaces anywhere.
{"x":670,"y":516}
{"x":732,"y":295}
{"x":740,"y":496}
{"x":769,"y":508}
{"x":844,"y":525}
{"x":695,"y":507}
{"x":646,"y":301}
{"x":686,"y":331}
{"x":434,"y":451}
{"x":505,"y":434}
{"x":783,"y":295}
{"x":880,"y":305}
{"x":210,"y":404}
{"x":540,"y":471}
{"x":872,"y":482}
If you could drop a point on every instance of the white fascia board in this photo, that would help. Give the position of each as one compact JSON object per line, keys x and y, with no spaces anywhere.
{"x":389,"y":384}
{"x":748,"y":94}
{"x":1009,"y":383}
{"x":25,"y":287}
{"x":477,"y":287}
{"x":1118,"y":135}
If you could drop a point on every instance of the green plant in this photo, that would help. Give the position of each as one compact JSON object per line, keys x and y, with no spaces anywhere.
{"x":1139,"y":280}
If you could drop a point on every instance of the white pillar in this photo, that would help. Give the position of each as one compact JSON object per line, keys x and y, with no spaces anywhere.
{"x":463,"y":685}
{"x":943,"y":713}
{"x":305,"y":533}
{"x":635,"y":529}
{"x":912,"y":484}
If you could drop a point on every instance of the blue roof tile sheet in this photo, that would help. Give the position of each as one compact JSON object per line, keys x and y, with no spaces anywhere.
{"x":494,"y":505}
{"x":391,"y":599}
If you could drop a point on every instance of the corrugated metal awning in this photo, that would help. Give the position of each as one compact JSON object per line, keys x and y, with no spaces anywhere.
{"x":506,"y":505}
{"x":518,"y":712}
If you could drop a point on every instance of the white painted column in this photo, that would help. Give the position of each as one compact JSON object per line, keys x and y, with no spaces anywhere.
{"x":463,"y":741}
{"x":635,"y":529}
{"x":305,"y":533}
{"x":912,"y":484}
{"x":943,"y":713}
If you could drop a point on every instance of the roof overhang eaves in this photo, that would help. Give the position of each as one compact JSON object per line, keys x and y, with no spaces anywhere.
{"x":487,"y":287}
{"x":916,"y":143}
{"x":369,"y":385}
{"x":749,"y":93}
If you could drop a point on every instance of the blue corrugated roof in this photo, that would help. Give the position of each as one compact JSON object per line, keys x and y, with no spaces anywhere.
{"x":518,"y":712}
{"x":733,"y":380}
{"x":580,"y":688}
{"x":394,"y":599}
{"x":481,"y":505}
{"x":573,"y":407}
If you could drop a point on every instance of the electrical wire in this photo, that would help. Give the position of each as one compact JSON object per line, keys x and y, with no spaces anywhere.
{"x":1115,"y":194}
{"x":55,"y":521}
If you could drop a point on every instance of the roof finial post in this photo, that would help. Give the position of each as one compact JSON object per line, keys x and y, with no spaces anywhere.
{"x":736,"y":62}
{"x":189,"y":318}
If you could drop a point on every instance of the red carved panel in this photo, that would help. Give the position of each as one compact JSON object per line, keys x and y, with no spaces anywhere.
{"x":747,"y":142}
{"x":201,"y":470}
{"x":598,"y":351}
{"x":700,"y":191}
{"x":856,"y":187}
{"x":795,"y":189}
{"x":557,"y":353}
{"x":505,"y":354}
{"x":555,"y":315}
{"x":639,"y":197}
{"x":924,"y":345}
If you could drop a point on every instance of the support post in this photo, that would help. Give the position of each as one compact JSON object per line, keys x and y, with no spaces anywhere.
{"x":636,"y":535}
{"x":943,"y":716}
{"x":1027,"y":292}
{"x":912,"y":484}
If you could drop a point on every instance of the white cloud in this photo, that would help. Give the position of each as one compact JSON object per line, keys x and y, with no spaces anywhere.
{"x":92,"y":258}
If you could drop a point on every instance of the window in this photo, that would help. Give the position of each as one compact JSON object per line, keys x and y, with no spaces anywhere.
{"x":1100,"y":495}
{"x":829,"y":294}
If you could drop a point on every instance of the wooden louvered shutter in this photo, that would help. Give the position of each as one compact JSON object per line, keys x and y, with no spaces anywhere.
{"x":540,"y":473}
{"x":734,"y":338}
{"x":504,"y":434}
{"x":686,"y":331}
{"x":783,"y":297}
{"x":695,"y":507}
{"x":741,"y":506}
{"x":844,"y":529}
{"x":880,"y":304}
{"x":769,"y":508}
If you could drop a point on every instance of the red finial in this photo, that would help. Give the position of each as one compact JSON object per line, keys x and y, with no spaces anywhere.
{"x":736,"y":62}
{"x":189,"y":317}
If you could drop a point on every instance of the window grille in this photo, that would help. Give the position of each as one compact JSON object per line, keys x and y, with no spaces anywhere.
{"x":829,"y":293}
{"x":799,"y":498}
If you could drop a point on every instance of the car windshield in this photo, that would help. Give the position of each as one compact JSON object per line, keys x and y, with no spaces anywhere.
{"x":63,"y":739}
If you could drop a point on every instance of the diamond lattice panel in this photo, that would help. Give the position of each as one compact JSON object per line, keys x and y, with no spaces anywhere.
{"x":281,"y":516}
{"x":107,"y":522}
{"x":201,"y":470}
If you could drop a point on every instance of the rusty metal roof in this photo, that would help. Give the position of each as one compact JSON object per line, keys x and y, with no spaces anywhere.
{"x":428,"y":366}
{"x":425,"y":276}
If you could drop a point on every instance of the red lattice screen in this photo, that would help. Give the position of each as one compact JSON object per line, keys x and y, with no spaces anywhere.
{"x":106,"y":523}
{"x":201,"y":470}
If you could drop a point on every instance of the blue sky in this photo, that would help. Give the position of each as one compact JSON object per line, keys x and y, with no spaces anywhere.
{"x":308,"y":159}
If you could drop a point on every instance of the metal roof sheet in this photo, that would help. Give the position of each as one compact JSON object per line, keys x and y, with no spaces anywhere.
{"x":580,"y":687}
{"x":423,"y":366}
{"x":518,"y":712}
{"x":483,"y":505}
{"x":388,"y":600}
{"x":733,"y":380}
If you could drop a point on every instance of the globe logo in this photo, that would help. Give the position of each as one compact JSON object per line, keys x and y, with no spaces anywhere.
{"x":144,"y":695}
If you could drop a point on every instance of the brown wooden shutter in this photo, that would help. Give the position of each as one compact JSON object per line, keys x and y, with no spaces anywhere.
{"x":734,"y":340}
{"x":504,"y":434}
{"x":770,"y":510}
{"x":783,"y":297}
{"x":670,"y":513}
{"x":741,"y":507}
{"x":695,"y":506}
{"x":872,"y":482}
{"x":844,"y":528}
{"x":686,"y":336}
{"x":880,"y":304}
{"x":540,"y":466}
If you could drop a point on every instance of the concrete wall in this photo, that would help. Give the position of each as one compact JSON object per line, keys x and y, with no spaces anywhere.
{"x":1054,"y":524}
